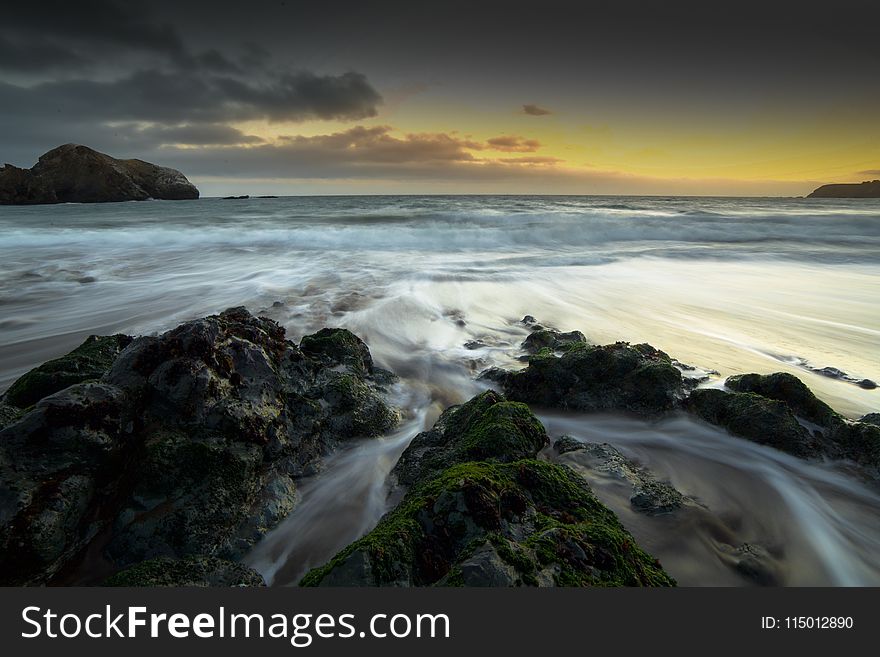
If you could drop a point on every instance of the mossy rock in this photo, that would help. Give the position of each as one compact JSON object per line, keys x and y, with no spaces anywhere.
{"x":541,"y":520}
{"x":787,"y":388}
{"x":486,"y":428}
{"x":190,"y":571}
{"x":618,"y":377}
{"x":756,"y":418}
{"x":552,"y":340}
{"x":88,"y":362}
{"x":481,"y":511}
{"x":339,"y":346}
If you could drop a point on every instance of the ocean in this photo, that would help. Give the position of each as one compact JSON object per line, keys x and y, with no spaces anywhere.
{"x":722,"y":284}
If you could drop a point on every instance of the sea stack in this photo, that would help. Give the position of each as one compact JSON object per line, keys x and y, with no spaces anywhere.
{"x":78,"y":174}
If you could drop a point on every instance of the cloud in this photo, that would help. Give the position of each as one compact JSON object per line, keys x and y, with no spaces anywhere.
{"x":869,"y":172}
{"x":535,"y":110}
{"x":85,"y":28}
{"x":358,"y":152}
{"x":376,"y":145}
{"x":211,"y":134}
{"x":514,"y":144}
{"x":151,"y":95}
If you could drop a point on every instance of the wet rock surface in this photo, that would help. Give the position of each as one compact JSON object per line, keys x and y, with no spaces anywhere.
{"x":190,"y":571}
{"x":481,"y":510}
{"x":648,"y":494}
{"x":636,"y":379}
{"x":768,"y":409}
{"x":188,"y":445}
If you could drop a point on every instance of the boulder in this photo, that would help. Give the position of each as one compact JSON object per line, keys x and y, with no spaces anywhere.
{"x":766,"y":408}
{"x":189,"y":445}
{"x":482,"y":511}
{"x":78,"y":174}
{"x":637,"y":379}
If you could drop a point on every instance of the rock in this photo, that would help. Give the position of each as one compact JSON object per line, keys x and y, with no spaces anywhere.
{"x":503,"y":520}
{"x":487,"y":428}
{"x":753,"y":562}
{"x":189,"y":445}
{"x":618,"y":377}
{"x":786,"y":388}
{"x":552,"y":340}
{"x":236,"y":198}
{"x":871,"y":418}
{"x":78,"y":174}
{"x":649,"y":495}
{"x":756,"y":418}
{"x":839,"y":438}
{"x":866,"y":189}
{"x":88,"y":362}
{"x":191,"y":571}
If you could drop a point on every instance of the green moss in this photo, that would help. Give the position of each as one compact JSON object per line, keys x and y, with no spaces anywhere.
{"x":751,"y":416}
{"x":570,"y":517}
{"x":339,"y":346}
{"x":88,"y":362}
{"x":638,"y":379}
{"x":190,"y":571}
{"x":787,"y":388}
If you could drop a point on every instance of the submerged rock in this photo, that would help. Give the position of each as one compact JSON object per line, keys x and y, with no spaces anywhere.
{"x":188,"y":445}
{"x":648,"y":495}
{"x":617,"y":377}
{"x":191,"y":571}
{"x":482,"y":511}
{"x":78,"y":174}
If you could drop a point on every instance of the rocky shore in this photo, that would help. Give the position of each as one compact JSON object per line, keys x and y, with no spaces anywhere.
{"x":162,"y":460}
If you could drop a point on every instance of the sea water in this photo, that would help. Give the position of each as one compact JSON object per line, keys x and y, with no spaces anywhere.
{"x":731,"y":285}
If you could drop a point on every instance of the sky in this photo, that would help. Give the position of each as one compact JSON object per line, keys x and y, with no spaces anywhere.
{"x":540,"y":97}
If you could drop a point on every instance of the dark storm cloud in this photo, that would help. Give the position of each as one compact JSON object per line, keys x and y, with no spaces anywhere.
{"x":178,"y":97}
{"x":535,"y":110}
{"x":85,"y":29}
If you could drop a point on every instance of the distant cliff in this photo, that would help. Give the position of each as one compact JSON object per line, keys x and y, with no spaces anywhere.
{"x":867,"y":189}
{"x":78,"y":174}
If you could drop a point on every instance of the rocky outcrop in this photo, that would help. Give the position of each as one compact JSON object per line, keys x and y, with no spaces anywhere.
{"x":78,"y":174}
{"x":636,"y":379}
{"x":768,"y":409}
{"x":481,"y":510}
{"x":184,"y":444}
{"x":191,"y":571}
{"x":866,"y":189}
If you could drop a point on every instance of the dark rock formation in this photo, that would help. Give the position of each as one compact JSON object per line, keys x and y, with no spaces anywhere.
{"x":552,"y":340}
{"x":757,"y":418}
{"x":78,"y":174}
{"x":618,"y":377}
{"x":766,"y":408}
{"x":191,"y":571}
{"x":866,"y":189}
{"x":648,"y":495}
{"x":188,"y":445}
{"x":88,"y":362}
{"x":482,"y":511}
